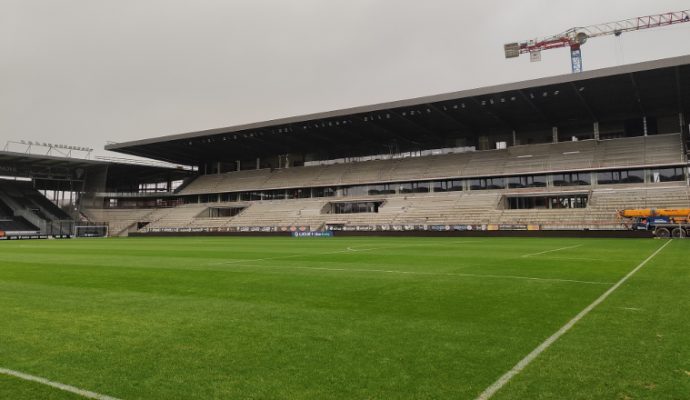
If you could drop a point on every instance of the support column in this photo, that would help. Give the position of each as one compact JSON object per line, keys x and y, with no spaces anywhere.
{"x":218,"y":167}
{"x":681,"y":121}
{"x":258,"y":163}
{"x":238,"y":165}
{"x":514,"y":138}
{"x":554,"y":134}
{"x":596,"y":130}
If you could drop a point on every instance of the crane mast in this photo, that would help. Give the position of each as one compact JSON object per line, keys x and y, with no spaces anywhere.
{"x":577,"y":36}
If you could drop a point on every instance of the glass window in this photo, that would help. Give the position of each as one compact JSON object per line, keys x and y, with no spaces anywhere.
{"x":405,"y":188}
{"x":668,"y":174}
{"x":477,"y":184}
{"x":572,"y":179}
{"x":615,"y":177}
{"x":355,"y":191}
{"x":323,"y":192}
{"x":495,"y":183}
{"x":632,"y":176}
{"x":380,"y":189}
{"x":355,"y":207}
{"x":545,"y":202}
{"x":228,"y":197}
{"x":527,"y":181}
{"x":487,"y":183}
{"x":452,"y":185}
{"x":421,"y":187}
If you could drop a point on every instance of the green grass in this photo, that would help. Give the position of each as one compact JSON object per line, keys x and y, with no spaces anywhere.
{"x":342,"y":318}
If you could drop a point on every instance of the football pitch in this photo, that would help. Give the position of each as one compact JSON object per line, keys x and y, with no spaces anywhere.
{"x":345,"y":318}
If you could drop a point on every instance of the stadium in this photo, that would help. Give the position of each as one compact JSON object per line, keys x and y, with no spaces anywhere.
{"x":519,"y":241}
{"x":556,"y":154}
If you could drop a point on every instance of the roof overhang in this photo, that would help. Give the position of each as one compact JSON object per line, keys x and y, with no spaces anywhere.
{"x":36,"y":166}
{"x":628,"y":91}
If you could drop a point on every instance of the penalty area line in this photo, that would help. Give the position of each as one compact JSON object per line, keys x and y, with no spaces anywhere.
{"x":417,"y":273}
{"x":67,"y":388}
{"x":505,"y":378}
{"x":350,"y":249}
{"x":551,"y":251}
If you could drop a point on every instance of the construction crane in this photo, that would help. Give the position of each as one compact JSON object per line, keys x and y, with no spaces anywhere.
{"x":576,"y":37}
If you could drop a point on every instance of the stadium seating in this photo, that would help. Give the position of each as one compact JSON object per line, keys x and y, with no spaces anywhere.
{"x":120,"y":221}
{"x":27,"y":210}
{"x":474,"y":207}
{"x":17,"y":225}
{"x":649,"y":150}
{"x":10,"y":223}
{"x":467,"y":208}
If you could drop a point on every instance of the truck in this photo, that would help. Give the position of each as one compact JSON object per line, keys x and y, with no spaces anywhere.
{"x":664,"y":222}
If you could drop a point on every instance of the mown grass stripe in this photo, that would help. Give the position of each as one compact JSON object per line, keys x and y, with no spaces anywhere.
{"x":505,"y":378}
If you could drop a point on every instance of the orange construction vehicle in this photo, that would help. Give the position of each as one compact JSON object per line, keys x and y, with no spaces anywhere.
{"x":664,"y":222}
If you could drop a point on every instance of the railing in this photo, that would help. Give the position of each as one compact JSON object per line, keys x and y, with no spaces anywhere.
{"x":135,"y":194}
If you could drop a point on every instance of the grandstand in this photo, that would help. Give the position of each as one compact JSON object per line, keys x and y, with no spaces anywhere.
{"x":47,"y":196}
{"x":559,"y":153}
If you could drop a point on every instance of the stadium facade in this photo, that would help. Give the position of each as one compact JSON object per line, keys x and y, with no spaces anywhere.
{"x":557,"y":153}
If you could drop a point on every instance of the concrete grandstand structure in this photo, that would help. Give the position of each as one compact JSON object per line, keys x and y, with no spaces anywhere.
{"x":559,"y":153}
{"x":48,"y":196}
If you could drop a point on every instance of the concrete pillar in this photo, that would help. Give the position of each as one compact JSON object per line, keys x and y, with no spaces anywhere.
{"x":238,"y":165}
{"x":554,"y":134}
{"x":596,"y":130}
{"x":681,"y":121}
{"x":218,"y":167}
{"x":258,"y":163}
{"x":514,"y":138}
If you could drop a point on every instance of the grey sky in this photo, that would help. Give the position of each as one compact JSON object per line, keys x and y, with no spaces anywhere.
{"x":84,"y":72}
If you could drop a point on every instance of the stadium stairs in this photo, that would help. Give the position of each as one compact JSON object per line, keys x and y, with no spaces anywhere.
{"x":462,"y":208}
{"x":31,"y":210}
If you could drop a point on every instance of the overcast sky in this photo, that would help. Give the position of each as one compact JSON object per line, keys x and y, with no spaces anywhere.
{"x":85,"y":72}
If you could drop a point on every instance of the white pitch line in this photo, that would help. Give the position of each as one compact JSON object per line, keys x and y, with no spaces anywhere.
{"x":67,"y":388}
{"x":347,"y":250}
{"x":551,"y":251}
{"x":386,"y":271}
{"x":505,"y":378}
{"x":583,"y":259}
